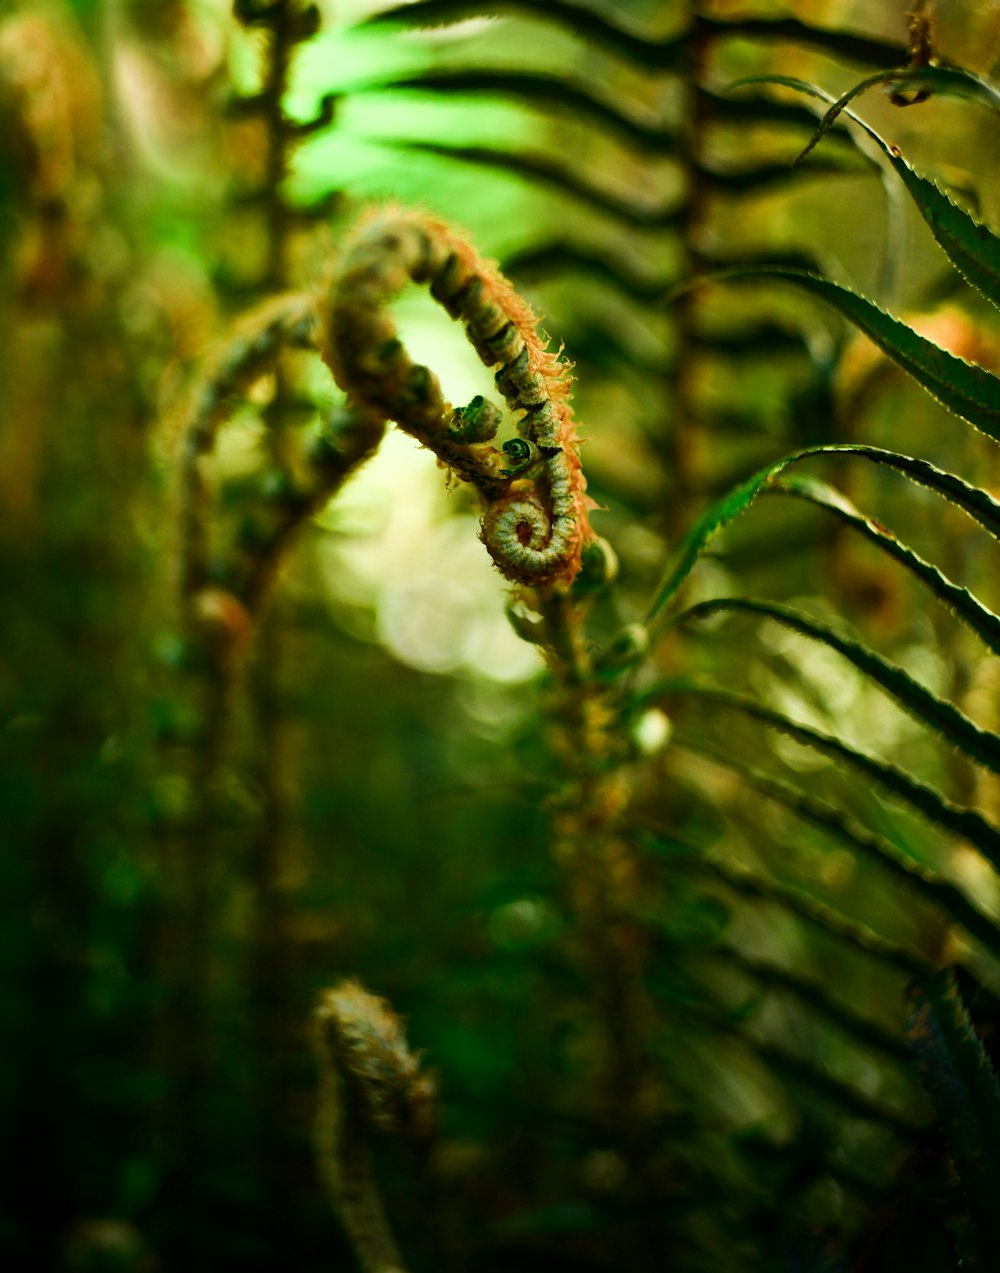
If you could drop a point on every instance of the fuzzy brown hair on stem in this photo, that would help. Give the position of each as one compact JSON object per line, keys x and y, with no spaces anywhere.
{"x":535,"y":526}
{"x":369,"y":1081}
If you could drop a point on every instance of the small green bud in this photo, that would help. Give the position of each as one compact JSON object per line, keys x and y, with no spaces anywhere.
{"x":477,"y":422}
{"x":528,"y":629}
{"x":629,"y":647}
{"x":598,"y":567}
{"x":522,"y":455}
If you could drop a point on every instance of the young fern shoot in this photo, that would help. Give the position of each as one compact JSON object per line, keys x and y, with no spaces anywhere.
{"x":369,"y":1081}
{"x":350,"y":436}
{"x":535,"y":527}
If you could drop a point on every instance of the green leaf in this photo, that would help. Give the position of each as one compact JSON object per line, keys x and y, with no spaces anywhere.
{"x":872,"y":848}
{"x":814,"y":995}
{"x":581,"y":20}
{"x":745,"y":882}
{"x":973,"y":501}
{"x":955,"y":727}
{"x":972,"y":248}
{"x":798,"y":1071}
{"x":970,"y":391}
{"x":966,"y":607}
{"x":811,"y":993}
{"x":539,"y":169}
{"x":707,"y":527}
{"x":857,"y":48}
{"x":559,"y":257}
{"x":957,"y":820}
{"x":764,"y":109}
{"x":659,"y":53}
{"x":943,"y":81}
{"x":964,"y":1091}
{"x":534,"y":89}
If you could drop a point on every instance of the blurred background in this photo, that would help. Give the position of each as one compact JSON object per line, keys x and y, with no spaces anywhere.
{"x":202,"y":825}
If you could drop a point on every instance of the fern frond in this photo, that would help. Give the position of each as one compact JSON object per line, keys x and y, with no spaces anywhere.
{"x":583,"y":20}
{"x":965,"y":1093}
{"x":928,"y":709}
{"x":575,"y":100}
{"x":881,"y":853}
{"x":960,"y":601}
{"x":744,"y":882}
{"x":970,"y":391}
{"x":968,"y":824}
{"x":543,"y":170}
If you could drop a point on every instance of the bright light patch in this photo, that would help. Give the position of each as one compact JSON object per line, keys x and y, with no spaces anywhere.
{"x":651,"y":732}
{"x":398,"y":547}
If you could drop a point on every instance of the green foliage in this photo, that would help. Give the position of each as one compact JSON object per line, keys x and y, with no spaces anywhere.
{"x":671,"y":895}
{"x":964,"y":1090}
{"x":964,"y":388}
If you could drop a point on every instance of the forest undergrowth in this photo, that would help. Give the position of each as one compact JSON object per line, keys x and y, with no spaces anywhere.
{"x":574,"y":848}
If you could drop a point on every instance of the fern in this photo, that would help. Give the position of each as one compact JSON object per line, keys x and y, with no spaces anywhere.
{"x":700,"y":931}
{"x":967,"y":390}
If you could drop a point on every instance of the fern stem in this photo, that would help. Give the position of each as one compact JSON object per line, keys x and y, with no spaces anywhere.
{"x":220,"y":601}
{"x":368,"y":1080}
{"x":273,"y":850}
{"x":535,"y":527}
{"x":599,"y":870}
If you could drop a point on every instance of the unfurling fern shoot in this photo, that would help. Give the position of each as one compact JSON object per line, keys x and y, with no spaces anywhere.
{"x":369,"y":1080}
{"x":535,"y":527}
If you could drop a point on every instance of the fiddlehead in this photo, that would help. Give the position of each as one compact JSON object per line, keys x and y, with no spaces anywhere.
{"x":535,"y":526}
{"x":349,"y":437}
{"x":369,"y":1080}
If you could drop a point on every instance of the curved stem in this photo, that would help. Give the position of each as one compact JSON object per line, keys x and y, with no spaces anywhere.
{"x":368,"y":1080}
{"x":536,"y":524}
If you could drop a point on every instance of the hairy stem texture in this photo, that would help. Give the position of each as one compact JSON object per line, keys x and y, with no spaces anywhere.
{"x":535,"y":526}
